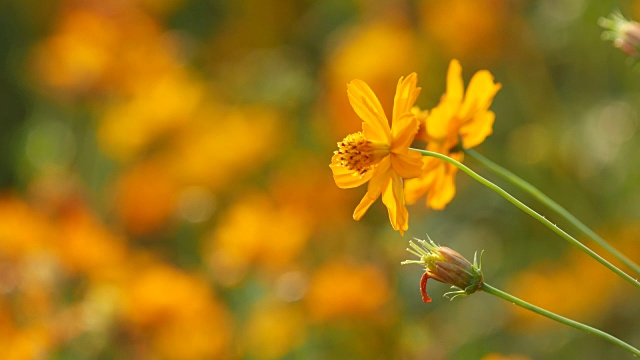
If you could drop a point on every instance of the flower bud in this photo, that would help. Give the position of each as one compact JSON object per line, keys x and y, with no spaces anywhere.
{"x":624,"y":33}
{"x":447,"y":266}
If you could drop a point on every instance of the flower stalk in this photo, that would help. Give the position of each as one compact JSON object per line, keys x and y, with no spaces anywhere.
{"x":447,"y":266}
{"x":533,"y":214}
{"x":561,"y":319}
{"x":548,"y":202}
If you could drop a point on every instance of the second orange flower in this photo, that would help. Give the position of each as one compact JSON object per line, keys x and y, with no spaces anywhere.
{"x":460,"y":121}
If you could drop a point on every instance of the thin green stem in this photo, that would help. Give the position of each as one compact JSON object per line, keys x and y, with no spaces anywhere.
{"x":580,"y":326}
{"x":544,"y":199}
{"x":532,"y":213}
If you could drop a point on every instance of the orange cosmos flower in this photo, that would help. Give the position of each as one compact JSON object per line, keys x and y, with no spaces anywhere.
{"x":456,"y":123}
{"x":380,"y":153}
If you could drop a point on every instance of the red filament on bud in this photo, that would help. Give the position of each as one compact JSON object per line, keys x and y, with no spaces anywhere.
{"x":423,"y":288}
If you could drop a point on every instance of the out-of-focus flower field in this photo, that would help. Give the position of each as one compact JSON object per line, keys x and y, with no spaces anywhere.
{"x":165,"y":190}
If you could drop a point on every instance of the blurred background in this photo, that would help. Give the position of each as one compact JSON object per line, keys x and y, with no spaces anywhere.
{"x":165,"y":190}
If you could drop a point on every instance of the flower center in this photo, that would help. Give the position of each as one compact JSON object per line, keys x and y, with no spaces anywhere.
{"x":357,"y":153}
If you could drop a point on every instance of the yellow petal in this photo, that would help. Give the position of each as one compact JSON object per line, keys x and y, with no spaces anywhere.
{"x":437,"y":181}
{"x":479,"y":94}
{"x":455,"y":85}
{"x":403,"y":131}
{"x":421,"y":116}
{"x":439,"y":119}
{"x":372,"y":133}
{"x":406,"y":95}
{"x":393,"y":198}
{"x":415,"y":188}
{"x":366,"y":105}
{"x":439,"y":147}
{"x":345,"y":178}
{"x":443,"y":188}
{"x":457,"y":156}
{"x":407,"y":165}
{"x":380,"y":176}
{"x":363,"y":206}
{"x":477,"y":129}
{"x":389,"y":201}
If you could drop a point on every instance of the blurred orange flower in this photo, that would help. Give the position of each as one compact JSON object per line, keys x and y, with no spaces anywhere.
{"x":459,"y":120}
{"x":255,"y":231}
{"x":485,"y":33}
{"x":145,"y":197}
{"x":342,"y":289}
{"x":103,"y":46}
{"x":356,"y":55}
{"x":157,"y":109}
{"x":85,"y":246}
{"x":380,"y":154}
{"x":176,"y":312}
{"x":273,"y":330}
{"x":306,"y":181}
{"x":29,"y":280}
{"x":213,"y":131}
{"x":76,"y":57}
{"x":28,"y":343}
{"x":567,"y":275}
{"x":24,"y":232}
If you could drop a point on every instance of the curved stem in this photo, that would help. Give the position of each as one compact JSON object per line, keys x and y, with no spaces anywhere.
{"x":532,"y":213}
{"x":544,"y":199}
{"x":580,"y":326}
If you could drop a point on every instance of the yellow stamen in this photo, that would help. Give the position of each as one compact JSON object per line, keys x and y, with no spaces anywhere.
{"x":357,"y":153}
